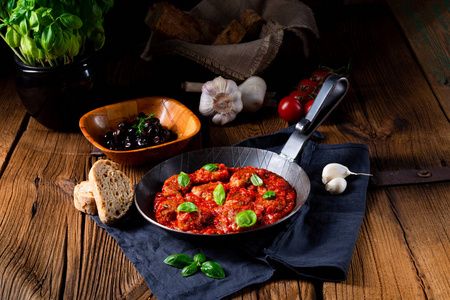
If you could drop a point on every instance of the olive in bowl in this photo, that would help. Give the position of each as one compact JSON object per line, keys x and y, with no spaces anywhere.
{"x":177,"y":126}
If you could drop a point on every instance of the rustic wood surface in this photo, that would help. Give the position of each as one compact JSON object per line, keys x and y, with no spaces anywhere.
{"x":399,"y":106}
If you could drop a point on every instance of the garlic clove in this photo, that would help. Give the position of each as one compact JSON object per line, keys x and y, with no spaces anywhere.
{"x":335,"y":170}
{"x":336,"y":185}
{"x":253,"y":93}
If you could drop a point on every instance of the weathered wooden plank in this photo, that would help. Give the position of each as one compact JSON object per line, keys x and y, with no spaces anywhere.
{"x":404,"y":236}
{"x":245,"y":126}
{"x":55,"y":251}
{"x":425,"y":25}
{"x":12,"y":116}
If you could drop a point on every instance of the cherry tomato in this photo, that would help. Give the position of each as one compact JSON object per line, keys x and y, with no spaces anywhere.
{"x":299,"y":95}
{"x":290,"y":109}
{"x":320,"y":75}
{"x":307,"y":85}
{"x":308,"y":106}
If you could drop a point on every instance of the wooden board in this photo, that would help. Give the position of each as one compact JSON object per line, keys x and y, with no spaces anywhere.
{"x":425,"y":25}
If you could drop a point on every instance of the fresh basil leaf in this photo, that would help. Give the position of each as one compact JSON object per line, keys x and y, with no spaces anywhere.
{"x":246,"y":218}
{"x":71,"y":21}
{"x":219,"y":194}
{"x":212,"y":269}
{"x":189,"y":270}
{"x":210,"y":167}
{"x":256,"y":180}
{"x":187,"y":207}
{"x":48,"y":37}
{"x":34,"y":21}
{"x":178,"y":260}
{"x":269,"y":194}
{"x":199,"y":258}
{"x":183,"y":179}
{"x":23,"y":27}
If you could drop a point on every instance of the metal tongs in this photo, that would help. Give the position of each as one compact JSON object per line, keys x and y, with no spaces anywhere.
{"x":330,"y":95}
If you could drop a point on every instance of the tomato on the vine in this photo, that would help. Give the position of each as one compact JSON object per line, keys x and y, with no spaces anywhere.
{"x":307,"y":85}
{"x":320,"y":75}
{"x":290,"y":109}
{"x":299,"y":95}
{"x":308,"y":106}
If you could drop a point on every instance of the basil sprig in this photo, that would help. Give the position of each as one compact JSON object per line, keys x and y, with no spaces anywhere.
{"x":183,"y":179}
{"x":219,"y":194}
{"x":269,"y":194}
{"x":210,"y":167}
{"x":256,"y":180}
{"x":246,"y":218}
{"x":187,"y":207}
{"x":190,"y":267}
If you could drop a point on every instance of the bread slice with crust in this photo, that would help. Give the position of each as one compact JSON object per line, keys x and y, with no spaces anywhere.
{"x":112,"y":189}
{"x":83,"y":198}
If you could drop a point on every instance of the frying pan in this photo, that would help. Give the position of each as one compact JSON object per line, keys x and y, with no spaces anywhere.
{"x":331,"y":93}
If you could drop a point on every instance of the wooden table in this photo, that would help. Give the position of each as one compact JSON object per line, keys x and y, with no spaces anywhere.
{"x":399,"y":107}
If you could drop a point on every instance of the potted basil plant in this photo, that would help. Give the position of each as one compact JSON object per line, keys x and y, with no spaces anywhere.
{"x":53,"y":42}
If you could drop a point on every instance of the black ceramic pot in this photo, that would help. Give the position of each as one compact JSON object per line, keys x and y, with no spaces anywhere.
{"x":58,"y":96}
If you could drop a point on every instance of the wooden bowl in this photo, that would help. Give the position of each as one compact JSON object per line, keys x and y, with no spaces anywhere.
{"x":172,"y":114}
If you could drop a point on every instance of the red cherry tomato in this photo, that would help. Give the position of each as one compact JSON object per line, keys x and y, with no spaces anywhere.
{"x":290,"y":109}
{"x":308,"y":106}
{"x":307,"y":85}
{"x":299,"y":95}
{"x":320,"y":75}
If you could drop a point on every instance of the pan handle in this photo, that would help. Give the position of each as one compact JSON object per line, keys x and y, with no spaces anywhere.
{"x":332,"y":92}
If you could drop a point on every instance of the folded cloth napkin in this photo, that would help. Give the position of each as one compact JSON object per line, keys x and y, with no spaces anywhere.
{"x":316,"y":243}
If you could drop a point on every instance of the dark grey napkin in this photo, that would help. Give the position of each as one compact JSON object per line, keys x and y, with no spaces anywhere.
{"x":316,"y":243}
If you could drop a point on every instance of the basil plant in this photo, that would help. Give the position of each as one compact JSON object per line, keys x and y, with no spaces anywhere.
{"x":52,"y":32}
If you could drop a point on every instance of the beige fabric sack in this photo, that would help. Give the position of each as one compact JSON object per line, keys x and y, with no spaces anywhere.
{"x":240,"y":61}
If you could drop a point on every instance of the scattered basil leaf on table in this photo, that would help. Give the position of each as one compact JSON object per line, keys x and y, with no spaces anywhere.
{"x":190,"y":267}
{"x":210,"y":167}
{"x":219,"y":194}
{"x":246,"y":218}
{"x":178,"y":260}
{"x":269,"y":194}
{"x":212,"y":269}
{"x":199,"y":258}
{"x":256,"y":180}
{"x":189,"y":270}
{"x":187,"y":207}
{"x":183,"y":179}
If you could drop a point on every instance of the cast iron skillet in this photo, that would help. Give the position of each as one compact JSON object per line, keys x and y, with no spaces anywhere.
{"x":331,"y":93}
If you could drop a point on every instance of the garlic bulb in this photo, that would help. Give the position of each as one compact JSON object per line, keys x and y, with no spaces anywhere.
{"x":336,"y":185}
{"x":253,"y":93}
{"x":220,"y":100}
{"x":335,"y":170}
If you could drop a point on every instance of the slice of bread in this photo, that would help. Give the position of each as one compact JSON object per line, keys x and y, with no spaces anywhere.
{"x":83,"y":198}
{"x":112,"y":189}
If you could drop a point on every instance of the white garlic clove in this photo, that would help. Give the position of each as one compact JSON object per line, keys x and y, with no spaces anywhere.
{"x":336,"y":185}
{"x":253,"y":93}
{"x":335,"y":170}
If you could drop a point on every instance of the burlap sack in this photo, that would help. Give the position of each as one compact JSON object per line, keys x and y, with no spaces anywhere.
{"x":241,"y":61}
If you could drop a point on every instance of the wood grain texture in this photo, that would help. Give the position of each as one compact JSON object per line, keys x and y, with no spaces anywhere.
{"x":425,"y":25}
{"x":405,"y":230}
{"x":54,"y":251}
{"x":12,"y":116}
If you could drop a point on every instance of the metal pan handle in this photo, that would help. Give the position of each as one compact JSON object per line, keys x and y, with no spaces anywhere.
{"x":332,"y":92}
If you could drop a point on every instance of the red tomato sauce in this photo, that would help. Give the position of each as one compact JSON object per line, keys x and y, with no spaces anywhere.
{"x":272,"y":199}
